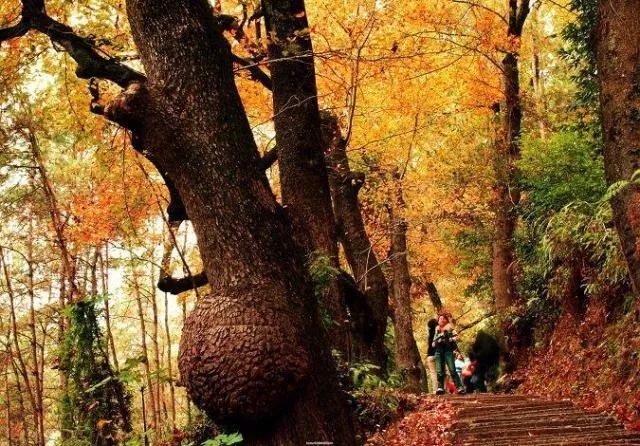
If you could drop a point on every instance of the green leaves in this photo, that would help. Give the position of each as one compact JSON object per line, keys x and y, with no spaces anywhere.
{"x":224,"y":440}
{"x":565,"y":168}
{"x":619,"y":186}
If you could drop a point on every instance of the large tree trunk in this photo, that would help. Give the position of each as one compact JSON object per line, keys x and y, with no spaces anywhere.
{"x":303,"y":175}
{"x":408,"y":359}
{"x":617,"y":48}
{"x":252,"y":351}
{"x":507,"y":191}
{"x":368,"y":337}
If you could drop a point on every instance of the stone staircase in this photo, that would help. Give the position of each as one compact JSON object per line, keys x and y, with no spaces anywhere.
{"x":513,"y":420}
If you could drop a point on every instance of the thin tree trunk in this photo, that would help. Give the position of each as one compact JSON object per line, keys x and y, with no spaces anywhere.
{"x":184,"y":315}
{"x":23,"y":411}
{"x":165,"y":270}
{"x":408,"y":359}
{"x":536,"y":80}
{"x":184,"y":321}
{"x":38,"y":378}
{"x":368,"y":341}
{"x":69,"y":271}
{"x":617,"y":48}
{"x":7,"y":404}
{"x":434,"y":296}
{"x":65,"y":430}
{"x":104,"y":266}
{"x":172,"y":390}
{"x":507,"y":191}
{"x":22,"y":368}
{"x":574,"y":297}
{"x":156,"y":348}
{"x":145,"y":352}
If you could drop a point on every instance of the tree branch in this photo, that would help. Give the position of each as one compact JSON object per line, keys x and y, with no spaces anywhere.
{"x":269,"y":159}
{"x":90,"y":62}
{"x":176,"y":286}
{"x":461,"y":328}
{"x":481,"y":6}
{"x":20,"y":29}
{"x":256,"y":73}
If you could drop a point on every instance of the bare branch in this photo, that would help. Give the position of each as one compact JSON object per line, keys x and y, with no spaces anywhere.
{"x":176,"y":286}
{"x":255,"y":71}
{"x":269,"y":159}
{"x":91,"y":63}
{"x":20,"y":29}
{"x":481,"y":6}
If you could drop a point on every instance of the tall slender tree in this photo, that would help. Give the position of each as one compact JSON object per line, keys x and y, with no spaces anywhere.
{"x":507,"y":191}
{"x":368,"y":338}
{"x":408,"y":359}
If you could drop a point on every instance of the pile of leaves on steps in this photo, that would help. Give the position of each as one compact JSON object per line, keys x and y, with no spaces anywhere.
{"x":419,"y":420}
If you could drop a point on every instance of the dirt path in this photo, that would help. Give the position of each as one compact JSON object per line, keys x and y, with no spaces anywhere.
{"x":513,"y":420}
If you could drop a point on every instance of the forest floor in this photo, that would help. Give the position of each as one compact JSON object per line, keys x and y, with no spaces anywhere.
{"x":502,"y":420}
{"x":592,"y":360}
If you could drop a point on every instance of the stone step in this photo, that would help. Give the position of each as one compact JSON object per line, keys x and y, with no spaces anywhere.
{"x":527,"y":424}
{"x":514,"y":420}
{"x":531,"y":417}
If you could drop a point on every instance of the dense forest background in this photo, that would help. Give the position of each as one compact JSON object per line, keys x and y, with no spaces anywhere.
{"x":506,"y":225}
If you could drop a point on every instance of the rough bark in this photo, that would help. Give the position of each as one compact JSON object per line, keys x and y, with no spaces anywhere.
{"x":617,"y":49}
{"x":251,"y":352}
{"x":408,"y":359}
{"x":507,"y":191}
{"x":367,"y":336}
{"x":303,"y":175}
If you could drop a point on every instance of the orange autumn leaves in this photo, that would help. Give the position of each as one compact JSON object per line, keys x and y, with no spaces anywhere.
{"x":98,"y":212}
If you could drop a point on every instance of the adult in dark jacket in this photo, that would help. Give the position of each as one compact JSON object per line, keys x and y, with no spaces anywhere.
{"x":445,"y":345}
{"x":431,"y":356}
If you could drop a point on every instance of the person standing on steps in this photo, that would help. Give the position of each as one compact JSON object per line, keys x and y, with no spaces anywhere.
{"x":444,"y":343}
{"x":431,"y":359}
